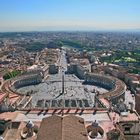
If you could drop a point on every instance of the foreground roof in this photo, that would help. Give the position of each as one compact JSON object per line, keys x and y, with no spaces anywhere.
{"x":62,"y":128}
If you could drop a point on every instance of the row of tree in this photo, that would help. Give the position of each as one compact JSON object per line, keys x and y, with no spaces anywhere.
{"x":12,"y":74}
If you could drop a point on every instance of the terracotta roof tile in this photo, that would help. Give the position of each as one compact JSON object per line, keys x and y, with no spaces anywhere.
{"x":62,"y":128}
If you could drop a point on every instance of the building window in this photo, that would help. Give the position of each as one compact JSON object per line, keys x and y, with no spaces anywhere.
{"x":127,"y":129}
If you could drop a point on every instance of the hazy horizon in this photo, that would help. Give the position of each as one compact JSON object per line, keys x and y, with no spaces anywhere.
{"x":72,"y":15}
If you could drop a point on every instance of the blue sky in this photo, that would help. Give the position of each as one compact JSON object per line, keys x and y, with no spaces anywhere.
{"x":39,"y":15}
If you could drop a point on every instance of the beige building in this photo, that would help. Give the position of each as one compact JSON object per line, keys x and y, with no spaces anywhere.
{"x":129,"y":124}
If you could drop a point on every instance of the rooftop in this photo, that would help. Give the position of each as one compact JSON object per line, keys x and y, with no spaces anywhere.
{"x":62,"y":128}
{"x":130,"y":117}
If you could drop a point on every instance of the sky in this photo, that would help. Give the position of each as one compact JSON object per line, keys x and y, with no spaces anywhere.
{"x":43,"y":15}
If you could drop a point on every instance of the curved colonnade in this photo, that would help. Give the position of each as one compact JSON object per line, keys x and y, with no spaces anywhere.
{"x":10,"y":86}
{"x":115,"y":86}
{"x":27,"y":80}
